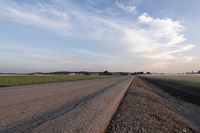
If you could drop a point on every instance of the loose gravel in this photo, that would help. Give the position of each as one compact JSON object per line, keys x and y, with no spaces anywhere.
{"x":145,"y":110}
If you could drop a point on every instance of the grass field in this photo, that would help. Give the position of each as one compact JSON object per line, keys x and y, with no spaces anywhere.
{"x":193,"y":79}
{"x":26,"y":80}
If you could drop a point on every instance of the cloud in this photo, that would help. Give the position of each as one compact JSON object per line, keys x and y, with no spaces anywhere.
{"x":37,"y":59}
{"x":95,"y":54}
{"x":38,"y":15}
{"x":166,"y":29}
{"x":165,"y":66}
{"x":157,"y":38}
{"x":147,"y":37}
{"x":125,"y":8}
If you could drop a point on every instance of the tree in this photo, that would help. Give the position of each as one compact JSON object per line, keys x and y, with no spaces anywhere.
{"x":107,"y":73}
{"x":148,"y":73}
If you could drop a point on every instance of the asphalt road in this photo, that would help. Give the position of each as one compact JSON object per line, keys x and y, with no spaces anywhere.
{"x":74,"y":106}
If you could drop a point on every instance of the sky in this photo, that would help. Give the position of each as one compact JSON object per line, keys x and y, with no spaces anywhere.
{"x":98,"y":35}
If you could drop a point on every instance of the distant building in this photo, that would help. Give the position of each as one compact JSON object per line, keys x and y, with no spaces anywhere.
{"x":72,"y":74}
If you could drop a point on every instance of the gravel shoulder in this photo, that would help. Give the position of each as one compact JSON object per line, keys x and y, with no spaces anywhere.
{"x":147,"y":109}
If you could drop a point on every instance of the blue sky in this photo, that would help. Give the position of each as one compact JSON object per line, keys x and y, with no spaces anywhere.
{"x":98,"y":35}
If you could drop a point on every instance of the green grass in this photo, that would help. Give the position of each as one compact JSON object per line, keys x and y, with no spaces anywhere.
{"x":193,"y":80}
{"x":27,"y":80}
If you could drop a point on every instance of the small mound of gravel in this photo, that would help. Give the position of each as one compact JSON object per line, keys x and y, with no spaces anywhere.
{"x":143,"y":110}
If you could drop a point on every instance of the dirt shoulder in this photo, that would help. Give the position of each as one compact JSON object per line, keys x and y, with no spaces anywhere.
{"x":144,"y":109}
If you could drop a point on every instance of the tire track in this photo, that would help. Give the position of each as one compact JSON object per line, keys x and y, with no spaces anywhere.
{"x":29,"y":124}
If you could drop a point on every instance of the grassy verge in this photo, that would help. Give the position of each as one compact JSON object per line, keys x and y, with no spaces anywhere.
{"x":27,"y":80}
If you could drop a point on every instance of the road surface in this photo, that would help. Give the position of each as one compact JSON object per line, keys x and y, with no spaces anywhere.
{"x":74,"y":106}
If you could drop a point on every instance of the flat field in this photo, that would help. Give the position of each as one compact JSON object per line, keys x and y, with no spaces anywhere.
{"x":190,"y":79}
{"x":27,"y":80}
{"x":185,"y":87}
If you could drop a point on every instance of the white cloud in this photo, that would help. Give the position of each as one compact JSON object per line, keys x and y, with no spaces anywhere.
{"x":165,"y":29}
{"x":176,"y":65}
{"x":95,"y":54}
{"x":145,"y":18}
{"x":160,"y":65}
{"x":188,"y":58}
{"x":147,"y":37}
{"x":38,"y":15}
{"x":125,"y":8}
{"x":157,"y":38}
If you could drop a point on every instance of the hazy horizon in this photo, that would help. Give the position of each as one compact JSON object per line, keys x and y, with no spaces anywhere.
{"x":91,"y":35}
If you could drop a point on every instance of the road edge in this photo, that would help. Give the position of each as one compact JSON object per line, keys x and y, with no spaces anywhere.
{"x":118,"y":104}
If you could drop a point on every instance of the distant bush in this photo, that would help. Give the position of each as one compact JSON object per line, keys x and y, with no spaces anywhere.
{"x":148,"y":73}
{"x":198,"y":72}
{"x":123,"y":73}
{"x":138,"y":73}
{"x":105,"y":73}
